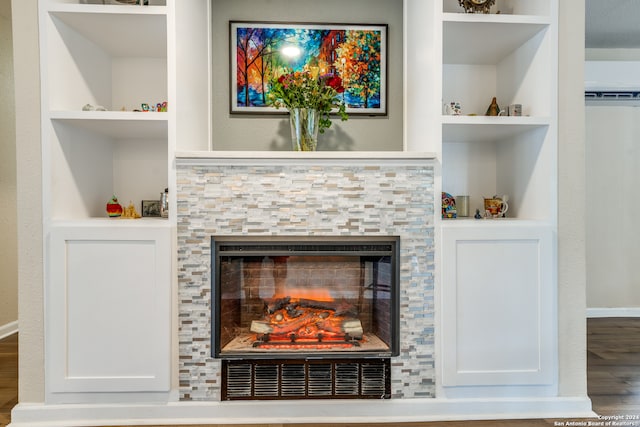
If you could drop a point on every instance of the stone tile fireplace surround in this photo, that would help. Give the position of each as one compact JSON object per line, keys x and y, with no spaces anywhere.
{"x":315,"y":195}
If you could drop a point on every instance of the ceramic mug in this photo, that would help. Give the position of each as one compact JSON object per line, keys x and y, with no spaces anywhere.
{"x":512,"y":110}
{"x":515,"y":110}
{"x":495,"y":207}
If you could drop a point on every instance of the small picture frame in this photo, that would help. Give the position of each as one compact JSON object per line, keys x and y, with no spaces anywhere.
{"x":151,"y":208}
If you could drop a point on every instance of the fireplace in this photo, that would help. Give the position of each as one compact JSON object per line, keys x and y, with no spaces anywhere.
{"x":279,"y":199}
{"x":297,"y":297}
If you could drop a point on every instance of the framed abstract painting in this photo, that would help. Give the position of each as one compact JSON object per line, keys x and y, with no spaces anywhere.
{"x":261,"y":51}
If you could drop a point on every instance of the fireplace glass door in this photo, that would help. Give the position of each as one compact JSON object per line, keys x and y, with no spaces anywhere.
{"x":304,"y":296}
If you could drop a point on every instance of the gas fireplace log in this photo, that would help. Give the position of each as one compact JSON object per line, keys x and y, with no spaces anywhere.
{"x":263,"y":327}
{"x":352,"y":327}
{"x":260,"y":327}
{"x":342,"y":308}
{"x":277,"y":304}
{"x":318,"y":305}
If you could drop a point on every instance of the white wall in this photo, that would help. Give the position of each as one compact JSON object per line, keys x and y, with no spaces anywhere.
{"x":29,"y":200}
{"x":612,"y":165}
{"x":613,"y":206}
{"x":571,"y":201}
{"x":234,"y":132}
{"x":8,"y":213}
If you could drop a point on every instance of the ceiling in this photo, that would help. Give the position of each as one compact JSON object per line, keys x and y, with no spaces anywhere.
{"x":612,"y":24}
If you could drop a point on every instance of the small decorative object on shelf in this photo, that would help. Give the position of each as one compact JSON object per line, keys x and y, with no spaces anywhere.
{"x":515,"y":110}
{"x":160,"y":107}
{"x":114,"y":209}
{"x":130,"y":212}
{"x":89,"y":107}
{"x":493,"y":109}
{"x":474,"y":6}
{"x":310,"y":99}
{"x":151,"y":208}
{"x":453,"y":109}
{"x":164,"y":203}
{"x":448,"y":206}
{"x":496,"y":207}
{"x":478,"y":215}
{"x":462,"y":206}
{"x":138,"y":2}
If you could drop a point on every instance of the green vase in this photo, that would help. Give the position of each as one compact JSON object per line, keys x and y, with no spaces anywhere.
{"x":304,"y":128}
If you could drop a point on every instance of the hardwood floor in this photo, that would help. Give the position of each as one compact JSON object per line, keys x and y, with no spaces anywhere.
{"x":8,"y":377}
{"x":613,"y":358}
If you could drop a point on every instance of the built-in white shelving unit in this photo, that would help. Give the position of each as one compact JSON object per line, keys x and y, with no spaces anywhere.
{"x":108,"y":281}
{"x":108,"y":285}
{"x":498,"y":276}
{"x":113,"y":56}
{"x":511,"y":56}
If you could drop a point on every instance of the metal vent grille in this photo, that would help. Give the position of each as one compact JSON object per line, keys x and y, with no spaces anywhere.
{"x":612,"y":95}
{"x":306,"y":379}
{"x":238,"y":379}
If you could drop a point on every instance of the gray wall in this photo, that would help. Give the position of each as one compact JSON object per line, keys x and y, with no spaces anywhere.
{"x":237,"y":132}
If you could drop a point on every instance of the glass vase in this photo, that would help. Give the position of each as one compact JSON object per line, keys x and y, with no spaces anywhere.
{"x":304,"y":128}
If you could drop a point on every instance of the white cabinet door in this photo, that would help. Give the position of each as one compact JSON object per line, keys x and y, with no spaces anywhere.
{"x":498,"y":305}
{"x":108,"y":309}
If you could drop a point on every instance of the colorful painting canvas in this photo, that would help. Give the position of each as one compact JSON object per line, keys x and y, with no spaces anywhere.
{"x":262,"y":51}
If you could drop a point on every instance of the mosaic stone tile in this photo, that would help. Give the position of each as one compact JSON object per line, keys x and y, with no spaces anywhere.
{"x":319,"y":200}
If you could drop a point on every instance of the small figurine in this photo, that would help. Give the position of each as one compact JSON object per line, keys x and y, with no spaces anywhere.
{"x":130,"y":212}
{"x":493,"y":109}
{"x":477,"y":215}
{"x":114,"y":209}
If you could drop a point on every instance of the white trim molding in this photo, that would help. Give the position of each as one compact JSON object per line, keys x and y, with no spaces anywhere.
{"x":613,"y":312}
{"x":277,"y":412}
{"x":8,"y":329}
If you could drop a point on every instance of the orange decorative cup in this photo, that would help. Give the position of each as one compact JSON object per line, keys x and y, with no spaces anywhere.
{"x":495,"y":207}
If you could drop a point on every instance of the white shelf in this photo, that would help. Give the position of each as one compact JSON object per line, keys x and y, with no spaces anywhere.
{"x":146,"y":222}
{"x":122,"y":31}
{"x":260,"y":156}
{"x":471,"y":222}
{"x":116,"y":124}
{"x":106,"y":8}
{"x":486,"y":39}
{"x":483,"y":128}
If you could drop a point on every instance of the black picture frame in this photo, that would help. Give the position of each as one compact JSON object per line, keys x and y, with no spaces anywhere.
{"x":151,"y":208}
{"x":255,"y":48}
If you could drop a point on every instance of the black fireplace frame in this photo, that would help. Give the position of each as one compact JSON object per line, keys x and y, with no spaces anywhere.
{"x":313,"y":245}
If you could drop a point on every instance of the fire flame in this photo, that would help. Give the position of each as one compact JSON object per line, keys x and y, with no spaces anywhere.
{"x":305,"y":293}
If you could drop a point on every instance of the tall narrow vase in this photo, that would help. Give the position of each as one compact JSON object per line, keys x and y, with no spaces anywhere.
{"x":304,"y":128}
